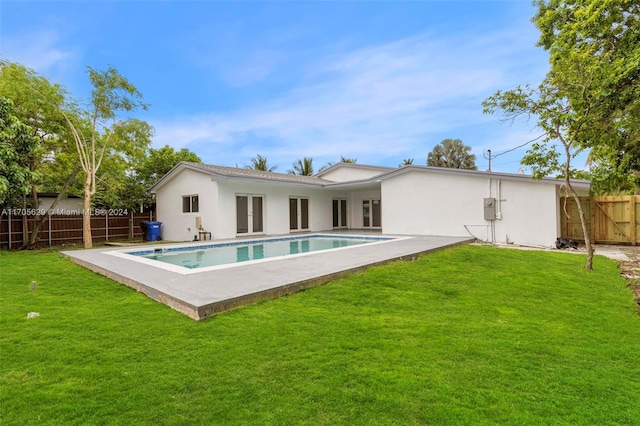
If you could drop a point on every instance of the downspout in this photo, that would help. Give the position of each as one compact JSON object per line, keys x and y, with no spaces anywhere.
{"x":499,"y":198}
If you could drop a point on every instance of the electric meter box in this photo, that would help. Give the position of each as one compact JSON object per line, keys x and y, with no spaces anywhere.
{"x":489,"y":209}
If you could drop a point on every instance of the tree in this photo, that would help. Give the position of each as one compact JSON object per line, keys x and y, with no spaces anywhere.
{"x":133,"y":189}
{"x":36,"y":103}
{"x":343,"y":159}
{"x":560,"y":123}
{"x":100,"y":129}
{"x":453,"y":154}
{"x":260,"y":163}
{"x":406,"y":162}
{"x":302,"y":167}
{"x":594,"y":49}
{"x":158,"y":162}
{"x":17,"y":145}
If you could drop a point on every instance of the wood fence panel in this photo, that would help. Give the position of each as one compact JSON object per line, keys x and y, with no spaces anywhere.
{"x":611,"y":219}
{"x":65,"y":229}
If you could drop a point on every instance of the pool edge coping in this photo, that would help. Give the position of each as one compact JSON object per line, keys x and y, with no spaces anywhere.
{"x":211,"y":309}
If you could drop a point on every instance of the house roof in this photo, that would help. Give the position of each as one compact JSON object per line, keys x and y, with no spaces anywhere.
{"x":223,"y":172}
{"x":579,"y":183}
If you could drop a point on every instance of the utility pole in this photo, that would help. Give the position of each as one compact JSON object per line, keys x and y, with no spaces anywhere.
{"x":487,"y":154}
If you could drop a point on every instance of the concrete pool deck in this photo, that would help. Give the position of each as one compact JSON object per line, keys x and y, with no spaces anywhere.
{"x":203,"y":294}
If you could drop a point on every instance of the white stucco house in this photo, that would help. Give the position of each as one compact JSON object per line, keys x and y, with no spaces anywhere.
{"x":230,"y":202}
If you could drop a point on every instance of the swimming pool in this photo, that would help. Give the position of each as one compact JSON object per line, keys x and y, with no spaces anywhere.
{"x":201,"y":257}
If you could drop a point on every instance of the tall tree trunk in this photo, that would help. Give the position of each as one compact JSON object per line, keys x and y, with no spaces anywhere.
{"x":39,"y":220}
{"x":583,"y":220}
{"x":86,"y":214}
{"x":25,"y":221}
{"x":585,"y":230}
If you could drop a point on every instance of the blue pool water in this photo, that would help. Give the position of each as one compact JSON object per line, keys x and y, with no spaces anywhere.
{"x":242,"y":251}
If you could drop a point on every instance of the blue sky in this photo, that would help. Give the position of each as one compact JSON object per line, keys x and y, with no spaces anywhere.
{"x":379,"y":81}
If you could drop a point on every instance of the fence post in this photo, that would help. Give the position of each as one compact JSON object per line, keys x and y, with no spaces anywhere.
{"x":632,"y":220}
{"x":49,"y":219}
{"x":9,"y":219}
{"x":131,"y":225}
{"x":106,"y":226}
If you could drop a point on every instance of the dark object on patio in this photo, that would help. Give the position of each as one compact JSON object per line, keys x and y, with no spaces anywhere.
{"x":562,"y":243}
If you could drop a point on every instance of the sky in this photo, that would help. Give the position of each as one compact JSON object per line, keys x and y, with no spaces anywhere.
{"x":379,"y":81}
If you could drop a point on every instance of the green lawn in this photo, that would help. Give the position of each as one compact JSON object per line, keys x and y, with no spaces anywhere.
{"x":470,"y":335}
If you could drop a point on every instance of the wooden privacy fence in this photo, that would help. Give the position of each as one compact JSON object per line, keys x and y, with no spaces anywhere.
{"x":613,"y":219}
{"x":58,"y":229}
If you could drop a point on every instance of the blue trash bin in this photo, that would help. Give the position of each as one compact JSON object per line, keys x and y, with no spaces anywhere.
{"x":154,"y":230}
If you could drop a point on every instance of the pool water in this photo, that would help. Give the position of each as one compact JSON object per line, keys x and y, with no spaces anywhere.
{"x":236,"y":252}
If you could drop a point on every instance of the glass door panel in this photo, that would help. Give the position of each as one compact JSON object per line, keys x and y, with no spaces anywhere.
{"x":293,"y":213}
{"x":242,"y":214}
{"x":366,"y":214}
{"x":375,"y":213}
{"x":304,"y":213}
{"x":256,"y":202}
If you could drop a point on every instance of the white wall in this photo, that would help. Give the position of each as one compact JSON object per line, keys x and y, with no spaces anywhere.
{"x":413,"y":203}
{"x":179,"y":226}
{"x":346,"y":172}
{"x":64,"y":206}
{"x":354,"y":207}
{"x":441,"y":204}
{"x":276,"y":206}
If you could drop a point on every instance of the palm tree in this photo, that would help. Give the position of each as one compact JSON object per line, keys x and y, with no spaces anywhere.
{"x":406,"y":162}
{"x":452,"y":153}
{"x":260,"y":163}
{"x":302,"y":167}
{"x":343,"y":159}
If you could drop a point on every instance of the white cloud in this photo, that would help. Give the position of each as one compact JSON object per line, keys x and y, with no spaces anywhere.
{"x":37,"y":50}
{"x":372,"y":103}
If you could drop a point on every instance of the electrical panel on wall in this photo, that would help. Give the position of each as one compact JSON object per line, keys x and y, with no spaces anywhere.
{"x":489,"y":209}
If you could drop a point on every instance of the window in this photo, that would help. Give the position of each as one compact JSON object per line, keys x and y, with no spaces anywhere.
{"x":190,"y":204}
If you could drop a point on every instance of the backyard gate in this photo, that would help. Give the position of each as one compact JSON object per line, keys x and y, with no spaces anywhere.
{"x":612,"y":219}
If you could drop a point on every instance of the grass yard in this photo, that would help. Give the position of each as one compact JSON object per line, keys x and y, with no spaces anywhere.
{"x":469,"y":335}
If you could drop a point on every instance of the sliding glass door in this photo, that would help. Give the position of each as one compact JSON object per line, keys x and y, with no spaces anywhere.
{"x":340,"y":213}
{"x":298,"y":213}
{"x":249,"y":214}
{"x":371,"y":213}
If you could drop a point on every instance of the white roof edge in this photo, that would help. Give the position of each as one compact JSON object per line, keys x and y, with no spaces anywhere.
{"x":580,"y":183}
{"x":511,"y":176}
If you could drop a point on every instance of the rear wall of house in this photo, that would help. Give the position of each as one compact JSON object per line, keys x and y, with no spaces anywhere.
{"x":276,"y":206}
{"x":451,"y":204}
